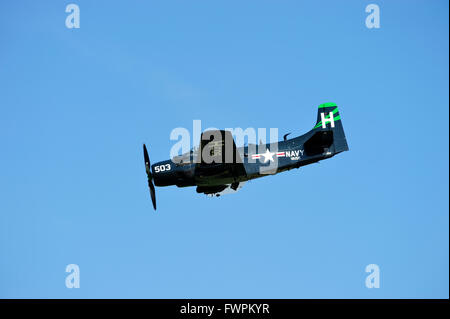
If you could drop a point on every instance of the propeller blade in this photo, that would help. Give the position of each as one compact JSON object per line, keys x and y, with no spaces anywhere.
{"x":147,"y":163}
{"x":149,"y":177}
{"x":152,"y":194}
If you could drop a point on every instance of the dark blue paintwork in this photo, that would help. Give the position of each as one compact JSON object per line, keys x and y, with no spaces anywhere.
{"x":324,"y":141}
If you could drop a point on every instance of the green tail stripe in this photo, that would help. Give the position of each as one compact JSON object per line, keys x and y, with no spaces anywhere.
{"x":328,"y":116}
{"x":327,"y":105}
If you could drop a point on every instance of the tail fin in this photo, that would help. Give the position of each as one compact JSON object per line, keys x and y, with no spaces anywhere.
{"x":329,"y":119}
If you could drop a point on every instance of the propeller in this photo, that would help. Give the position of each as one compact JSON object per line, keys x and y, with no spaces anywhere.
{"x":149,"y":177}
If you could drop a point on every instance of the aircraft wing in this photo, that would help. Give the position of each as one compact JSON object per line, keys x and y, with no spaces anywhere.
{"x":219,"y":156}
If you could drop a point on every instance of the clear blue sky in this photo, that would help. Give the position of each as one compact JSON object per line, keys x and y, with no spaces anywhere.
{"x":76,"y":106}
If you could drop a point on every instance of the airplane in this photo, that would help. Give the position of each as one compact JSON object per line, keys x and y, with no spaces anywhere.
{"x":218,"y":167}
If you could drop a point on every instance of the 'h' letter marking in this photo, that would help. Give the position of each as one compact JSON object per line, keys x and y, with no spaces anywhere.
{"x":328,"y":120}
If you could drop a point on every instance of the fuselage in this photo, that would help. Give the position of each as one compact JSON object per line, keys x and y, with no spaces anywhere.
{"x":258,"y":161}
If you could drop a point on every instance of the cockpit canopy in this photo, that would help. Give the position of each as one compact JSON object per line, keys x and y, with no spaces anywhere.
{"x":186,"y":158}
